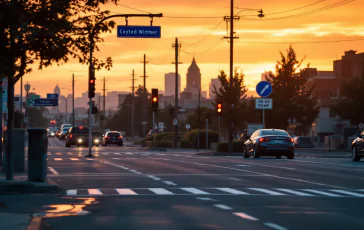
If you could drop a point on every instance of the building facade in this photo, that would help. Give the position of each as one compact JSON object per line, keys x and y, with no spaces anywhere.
{"x":193,"y":81}
{"x":170,"y":84}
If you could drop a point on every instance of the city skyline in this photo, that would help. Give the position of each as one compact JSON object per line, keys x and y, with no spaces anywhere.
{"x":256,"y":51}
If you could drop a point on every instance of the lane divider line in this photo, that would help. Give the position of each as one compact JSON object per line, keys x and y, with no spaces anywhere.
{"x":245,"y":216}
{"x":221,"y":206}
{"x":53,"y":170}
{"x":169,"y":183}
{"x":274,"y":226}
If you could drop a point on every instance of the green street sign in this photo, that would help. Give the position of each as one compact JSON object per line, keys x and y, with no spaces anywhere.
{"x":33,"y":96}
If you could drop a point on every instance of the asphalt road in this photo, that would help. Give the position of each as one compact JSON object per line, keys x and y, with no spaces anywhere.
{"x":130,"y":188}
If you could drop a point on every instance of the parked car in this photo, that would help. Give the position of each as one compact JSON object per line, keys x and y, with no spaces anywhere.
{"x":77,"y":135}
{"x":112,"y":137}
{"x":357,"y":147}
{"x":269,"y":142}
{"x":303,"y":142}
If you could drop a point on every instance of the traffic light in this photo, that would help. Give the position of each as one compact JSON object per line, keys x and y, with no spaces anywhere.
{"x":91,"y":84}
{"x":219,"y":108}
{"x":53,"y":122}
{"x":155,"y":99}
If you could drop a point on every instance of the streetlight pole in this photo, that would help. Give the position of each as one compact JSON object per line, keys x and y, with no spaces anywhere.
{"x":73,"y":100}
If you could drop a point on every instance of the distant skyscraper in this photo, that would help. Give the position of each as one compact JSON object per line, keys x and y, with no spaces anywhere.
{"x":170,"y":84}
{"x":193,"y":78}
{"x":57,"y":90}
{"x":217,"y":84}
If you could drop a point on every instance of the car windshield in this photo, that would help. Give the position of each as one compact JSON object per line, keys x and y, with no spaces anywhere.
{"x":79,"y":130}
{"x":113,"y":134}
{"x":274,"y":132}
{"x":305,"y":140}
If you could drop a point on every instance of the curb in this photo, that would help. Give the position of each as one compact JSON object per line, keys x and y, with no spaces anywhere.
{"x":156,"y":149}
{"x":218,"y":154}
{"x":27,"y":187}
{"x":36,"y":223}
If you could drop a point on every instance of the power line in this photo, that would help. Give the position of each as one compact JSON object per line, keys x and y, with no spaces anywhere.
{"x":133,"y":8}
{"x":217,"y":26}
{"x":192,"y":17}
{"x":308,"y":42}
{"x":207,"y":50}
{"x":334,"y":5}
{"x":298,"y":8}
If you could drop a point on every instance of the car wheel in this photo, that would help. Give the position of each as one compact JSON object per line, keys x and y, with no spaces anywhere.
{"x":290,"y":156}
{"x":255,"y":153}
{"x":246,"y":155}
{"x":355,"y":154}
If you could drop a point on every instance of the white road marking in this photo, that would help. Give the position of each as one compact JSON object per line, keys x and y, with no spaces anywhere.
{"x":49,"y":154}
{"x":169,"y":183}
{"x":117,"y":153}
{"x":89,"y":159}
{"x":264,"y":174}
{"x":232,"y":191}
{"x":205,"y":198}
{"x":294,"y":192}
{"x":267,"y":191}
{"x":129,"y":153}
{"x":232,"y":178}
{"x":57,"y":159}
{"x":94,"y":191}
{"x":161,"y":191}
{"x":126,"y":191}
{"x":195,"y":191}
{"x":348,"y":193}
{"x":275,"y":226}
{"x":71,"y":192}
{"x":243,"y":165}
{"x":105,"y":153}
{"x":269,"y":166}
{"x":245,"y":216}
{"x":115,"y":158}
{"x":69,"y":153}
{"x":322,"y":193}
{"x":59,"y":154}
{"x":222,"y":206}
{"x":119,"y":166}
{"x":74,"y":159}
{"x":53,"y":170}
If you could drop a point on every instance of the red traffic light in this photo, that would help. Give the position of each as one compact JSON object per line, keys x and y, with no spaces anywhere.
{"x":92,"y":81}
{"x":155,"y":99}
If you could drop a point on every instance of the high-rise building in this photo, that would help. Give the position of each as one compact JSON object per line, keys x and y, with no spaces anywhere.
{"x":214,"y":82}
{"x":193,"y":82}
{"x":350,"y":66}
{"x":170,"y":84}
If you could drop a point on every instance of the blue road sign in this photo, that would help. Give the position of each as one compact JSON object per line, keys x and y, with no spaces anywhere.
{"x":264,"y":89}
{"x":139,"y":32}
{"x":52,"y":95}
{"x":45,"y":102}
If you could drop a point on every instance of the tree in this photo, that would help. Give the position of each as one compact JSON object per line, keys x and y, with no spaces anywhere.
{"x":291,"y":97}
{"x":46,"y":32}
{"x":351,"y":103}
{"x":233,"y":98}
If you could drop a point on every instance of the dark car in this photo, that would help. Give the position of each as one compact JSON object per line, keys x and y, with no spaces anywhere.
{"x":358,"y":147}
{"x":303,"y":142}
{"x":269,"y":142}
{"x":77,"y":135}
{"x":112,"y":137}
{"x":97,"y":138}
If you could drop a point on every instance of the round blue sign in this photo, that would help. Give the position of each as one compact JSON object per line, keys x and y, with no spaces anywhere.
{"x":264,"y":89}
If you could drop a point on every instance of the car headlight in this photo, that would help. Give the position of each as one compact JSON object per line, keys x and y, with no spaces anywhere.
{"x":96,"y":140}
{"x":79,"y":140}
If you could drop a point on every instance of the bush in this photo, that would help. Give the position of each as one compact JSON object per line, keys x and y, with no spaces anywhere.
{"x":160,"y":136}
{"x":186,"y":144}
{"x":168,"y":138}
{"x":238,"y":147}
{"x":192,"y":136}
{"x":139,"y":142}
{"x":163,"y":144}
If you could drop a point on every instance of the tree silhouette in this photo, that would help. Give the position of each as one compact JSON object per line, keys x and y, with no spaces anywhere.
{"x":291,"y":97}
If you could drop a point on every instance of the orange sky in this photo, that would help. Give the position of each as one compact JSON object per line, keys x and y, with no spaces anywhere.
{"x":257,"y":49}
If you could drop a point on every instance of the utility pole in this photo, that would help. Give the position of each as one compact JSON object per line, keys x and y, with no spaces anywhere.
{"x":231,"y":37}
{"x":73,"y":99}
{"x":132,"y":104}
{"x":66,"y":110}
{"x":21,"y":95}
{"x":144,"y":105}
{"x":177,"y":47}
{"x":104,"y":101}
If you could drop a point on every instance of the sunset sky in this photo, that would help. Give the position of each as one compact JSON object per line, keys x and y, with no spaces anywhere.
{"x":256,"y":51}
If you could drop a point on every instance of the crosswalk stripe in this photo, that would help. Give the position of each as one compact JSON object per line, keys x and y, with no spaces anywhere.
{"x":74,"y":159}
{"x":49,"y":154}
{"x":89,"y":159}
{"x":267,"y":191}
{"x":94,"y":191}
{"x":348,"y":193}
{"x":195,"y":191}
{"x":232,"y":191}
{"x":125,"y":191}
{"x":69,"y":154}
{"x":71,"y":192}
{"x":59,"y":154}
{"x":57,"y":159}
{"x":161,"y":191}
{"x":117,"y":153}
{"x":294,"y":192}
{"x":129,"y":153}
{"x":322,"y":192}
{"x":115,"y":158}
{"x":105,"y":153}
